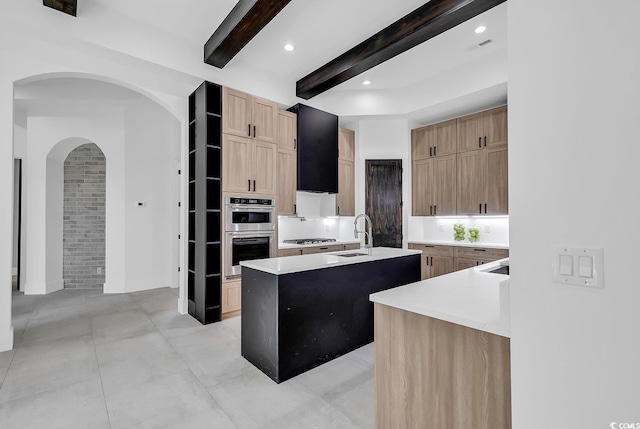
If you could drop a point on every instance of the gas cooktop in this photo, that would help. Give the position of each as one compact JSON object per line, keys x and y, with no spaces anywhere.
{"x":309,"y":240}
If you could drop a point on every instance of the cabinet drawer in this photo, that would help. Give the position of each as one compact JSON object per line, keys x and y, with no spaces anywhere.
{"x":432,"y":250}
{"x":289,"y":252}
{"x":481,"y":253}
{"x":354,"y":246}
{"x":322,"y":249}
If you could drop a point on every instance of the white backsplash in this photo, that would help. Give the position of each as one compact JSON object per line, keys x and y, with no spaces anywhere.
{"x":316,"y":219}
{"x":492,"y":229}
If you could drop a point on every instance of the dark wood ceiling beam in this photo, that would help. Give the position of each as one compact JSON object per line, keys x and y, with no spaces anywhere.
{"x":429,"y":20}
{"x":67,"y":6}
{"x":244,"y":21}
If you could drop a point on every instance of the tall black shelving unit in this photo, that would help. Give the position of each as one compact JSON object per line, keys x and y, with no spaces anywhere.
{"x":205,"y":203}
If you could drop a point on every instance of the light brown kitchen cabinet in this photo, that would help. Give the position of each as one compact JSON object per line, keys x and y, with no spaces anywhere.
{"x":345,"y":198}
{"x":287,"y":164}
{"x":435,"y":260}
{"x":231,"y":297}
{"x":483,"y":130}
{"x":483,"y":182}
{"x":322,"y":249}
{"x":346,"y":144}
{"x":467,"y":257}
{"x":245,"y":115}
{"x":434,"y":140}
{"x":248,"y":166}
{"x":434,"y":186}
{"x":289,"y":252}
{"x":318,"y":249}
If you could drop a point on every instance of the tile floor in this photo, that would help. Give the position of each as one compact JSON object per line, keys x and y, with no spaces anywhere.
{"x":83,"y":359}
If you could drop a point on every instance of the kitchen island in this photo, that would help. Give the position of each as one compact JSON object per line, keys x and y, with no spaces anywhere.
{"x":299,"y":312}
{"x":442,"y":355}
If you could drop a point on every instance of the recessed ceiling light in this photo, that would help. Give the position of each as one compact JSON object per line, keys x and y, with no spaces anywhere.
{"x":289,"y":47}
{"x":481,"y":29}
{"x":366,"y":82}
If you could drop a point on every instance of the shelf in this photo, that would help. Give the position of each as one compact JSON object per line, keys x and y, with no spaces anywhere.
{"x":214,"y":115}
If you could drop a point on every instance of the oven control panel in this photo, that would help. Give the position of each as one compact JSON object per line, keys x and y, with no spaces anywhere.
{"x":251,"y":201}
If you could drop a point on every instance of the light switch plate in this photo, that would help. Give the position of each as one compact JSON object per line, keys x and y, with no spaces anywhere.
{"x":587,"y":266}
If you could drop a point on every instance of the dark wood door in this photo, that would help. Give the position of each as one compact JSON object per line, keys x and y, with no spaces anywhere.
{"x":384,"y":201}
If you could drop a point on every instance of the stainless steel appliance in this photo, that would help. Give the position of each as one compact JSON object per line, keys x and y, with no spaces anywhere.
{"x":250,"y":214}
{"x":250,"y":232}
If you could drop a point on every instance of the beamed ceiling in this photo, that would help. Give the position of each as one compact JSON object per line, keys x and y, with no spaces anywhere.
{"x":435,"y":17}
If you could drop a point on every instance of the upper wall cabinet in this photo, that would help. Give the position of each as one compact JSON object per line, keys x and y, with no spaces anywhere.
{"x":345,"y":198}
{"x":483,"y":130}
{"x":434,"y":140}
{"x":248,"y":166}
{"x":245,"y":115}
{"x":287,"y":163}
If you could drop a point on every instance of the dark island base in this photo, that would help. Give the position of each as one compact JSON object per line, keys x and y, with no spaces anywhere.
{"x":294,"y":322}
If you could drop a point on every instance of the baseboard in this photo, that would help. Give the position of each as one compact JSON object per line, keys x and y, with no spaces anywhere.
{"x":183,"y":306}
{"x":6,"y":340}
{"x":55,"y":286}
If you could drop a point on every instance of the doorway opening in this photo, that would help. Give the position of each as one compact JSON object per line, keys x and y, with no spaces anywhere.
{"x":17,"y":221}
{"x":84,"y":218}
{"x":383,"y":201}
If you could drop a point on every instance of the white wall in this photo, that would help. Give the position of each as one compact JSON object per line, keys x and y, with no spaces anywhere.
{"x":384,"y":139}
{"x":573,"y":173}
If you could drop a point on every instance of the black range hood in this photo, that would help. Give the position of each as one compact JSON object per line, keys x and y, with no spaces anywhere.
{"x":317,"y":150}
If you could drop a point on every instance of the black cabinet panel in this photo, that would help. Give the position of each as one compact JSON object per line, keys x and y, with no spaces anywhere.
{"x":317,"y":150}
{"x":204,"y":256}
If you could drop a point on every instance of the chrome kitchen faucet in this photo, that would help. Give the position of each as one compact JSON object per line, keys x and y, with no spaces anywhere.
{"x":356,"y":232}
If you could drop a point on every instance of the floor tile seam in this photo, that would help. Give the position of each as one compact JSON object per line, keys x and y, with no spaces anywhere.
{"x":208,"y":391}
{"x":4,"y":377}
{"x":127,"y":337}
{"x":152,"y":380}
{"x":48,"y":390}
{"x":104,"y":396}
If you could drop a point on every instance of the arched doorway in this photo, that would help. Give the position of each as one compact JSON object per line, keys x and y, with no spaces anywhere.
{"x":84,"y":218}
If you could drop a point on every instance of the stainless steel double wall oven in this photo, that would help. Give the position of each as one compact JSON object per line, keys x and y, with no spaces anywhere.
{"x":250,"y":232}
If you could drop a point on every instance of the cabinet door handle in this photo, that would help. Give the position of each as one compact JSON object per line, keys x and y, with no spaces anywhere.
{"x":430,"y":210}
{"x":430,"y":149}
{"x":435,"y":210}
{"x":295,"y":143}
{"x":249,"y":130}
{"x":338,"y":210}
{"x":434,"y":150}
{"x":254,"y":186}
{"x":485,"y":141}
{"x":480,"y":208}
{"x":324,"y":248}
{"x":432,"y":261}
{"x":254,"y":133}
{"x":295,"y":209}
{"x":479,"y":141}
{"x":249,"y":185}
{"x":485,"y":208}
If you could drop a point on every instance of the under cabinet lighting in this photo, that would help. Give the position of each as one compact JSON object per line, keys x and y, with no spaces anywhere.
{"x":366,"y":82}
{"x":289,"y":47}
{"x":480,"y":29}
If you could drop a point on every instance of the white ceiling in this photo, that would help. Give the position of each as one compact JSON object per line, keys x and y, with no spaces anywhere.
{"x":421,"y":84}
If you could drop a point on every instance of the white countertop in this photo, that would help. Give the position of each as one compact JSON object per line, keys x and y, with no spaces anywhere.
{"x":471,"y":298}
{"x":295,"y":264}
{"x":462,"y":243}
{"x":329,"y":243}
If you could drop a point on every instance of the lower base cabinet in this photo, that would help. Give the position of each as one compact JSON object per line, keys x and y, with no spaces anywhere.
{"x":231,"y":297}
{"x":434,"y":374}
{"x":318,"y":249}
{"x":439,"y":260}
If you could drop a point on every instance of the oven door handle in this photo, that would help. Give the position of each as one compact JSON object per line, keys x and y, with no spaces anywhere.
{"x":250,"y":240}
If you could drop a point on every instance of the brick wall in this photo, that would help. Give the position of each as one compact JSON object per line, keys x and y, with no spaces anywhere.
{"x":84,"y":218}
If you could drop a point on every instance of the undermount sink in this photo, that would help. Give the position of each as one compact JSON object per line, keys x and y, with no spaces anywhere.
{"x":501,"y":270}
{"x":351,"y":255}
